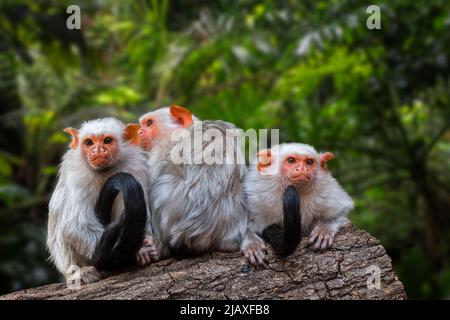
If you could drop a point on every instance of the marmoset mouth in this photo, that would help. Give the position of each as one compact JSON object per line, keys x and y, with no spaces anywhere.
{"x":300,"y":178}
{"x":100,"y":160}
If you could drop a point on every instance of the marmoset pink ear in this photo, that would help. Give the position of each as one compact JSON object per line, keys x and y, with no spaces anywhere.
{"x":264,"y":159}
{"x":324,"y":158}
{"x":131,"y":133}
{"x":74,"y":133}
{"x":181,"y":115}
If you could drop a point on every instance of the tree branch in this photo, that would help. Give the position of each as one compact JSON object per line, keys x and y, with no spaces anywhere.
{"x":349,"y":270}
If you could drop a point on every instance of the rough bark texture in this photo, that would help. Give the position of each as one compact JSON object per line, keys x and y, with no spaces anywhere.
{"x":341,"y":272}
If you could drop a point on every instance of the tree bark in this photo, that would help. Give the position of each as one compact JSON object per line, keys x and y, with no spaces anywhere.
{"x":346,"y":271}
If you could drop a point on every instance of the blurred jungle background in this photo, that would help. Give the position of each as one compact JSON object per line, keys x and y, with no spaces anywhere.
{"x":379,"y":99}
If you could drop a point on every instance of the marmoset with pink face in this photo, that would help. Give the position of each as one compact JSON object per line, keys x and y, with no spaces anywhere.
{"x":324,"y":204}
{"x":196,"y":208}
{"x":87,"y":227}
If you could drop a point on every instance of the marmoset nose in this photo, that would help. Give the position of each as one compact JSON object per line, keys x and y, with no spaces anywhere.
{"x":98,"y":150}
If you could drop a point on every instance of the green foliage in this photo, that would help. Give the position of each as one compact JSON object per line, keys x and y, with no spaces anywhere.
{"x":379,"y":99}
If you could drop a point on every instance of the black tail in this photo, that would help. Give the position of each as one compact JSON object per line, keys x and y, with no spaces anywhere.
{"x":122,"y":238}
{"x":284,"y":240}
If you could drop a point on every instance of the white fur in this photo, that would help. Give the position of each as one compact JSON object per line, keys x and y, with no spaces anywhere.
{"x":73,"y":229}
{"x":197,"y":207}
{"x":100,"y":126}
{"x":323,"y":202}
